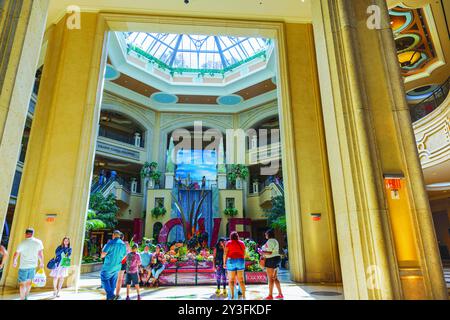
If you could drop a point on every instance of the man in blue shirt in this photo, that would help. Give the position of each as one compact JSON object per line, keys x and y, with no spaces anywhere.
{"x":146,"y":268}
{"x":113,"y":253}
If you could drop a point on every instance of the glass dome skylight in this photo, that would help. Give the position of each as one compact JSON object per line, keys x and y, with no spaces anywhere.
{"x":196,"y":53}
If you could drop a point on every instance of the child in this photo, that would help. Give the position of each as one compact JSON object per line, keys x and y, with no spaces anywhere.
{"x":132,"y":277}
{"x":221,"y":274}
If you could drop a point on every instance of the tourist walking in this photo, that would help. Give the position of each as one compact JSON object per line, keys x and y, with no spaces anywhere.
{"x":221,"y":275}
{"x":62,"y":264}
{"x":3,"y":258}
{"x":158,"y":265}
{"x":145,"y":268}
{"x":234,"y":260}
{"x":132,"y":277}
{"x":123,"y":268}
{"x":113,"y":253}
{"x":31,"y":253}
{"x":270,"y":251}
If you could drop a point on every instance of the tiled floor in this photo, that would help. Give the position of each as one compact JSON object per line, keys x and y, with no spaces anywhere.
{"x":89,"y":289}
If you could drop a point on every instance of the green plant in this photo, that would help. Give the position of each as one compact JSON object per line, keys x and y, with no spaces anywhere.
{"x":254,"y":268}
{"x":237,"y":171}
{"x":147,"y":242}
{"x":199,"y":257}
{"x":182,"y":251}
{"x":231,"y":212}
{"x":277,"y":214}
{"x":158,"y":212}
{"x":105,"y":209}
{"x":149,"y":170}
{"x":95,"y":224}
{"x":90,"y":259}
{"x":155,"y":175}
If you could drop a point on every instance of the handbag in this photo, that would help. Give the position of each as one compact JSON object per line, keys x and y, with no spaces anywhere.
{"x":40,"y":279}
{"x":51,"y":264}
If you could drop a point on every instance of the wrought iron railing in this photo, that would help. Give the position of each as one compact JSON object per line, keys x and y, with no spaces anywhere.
{"x":431,"y":103}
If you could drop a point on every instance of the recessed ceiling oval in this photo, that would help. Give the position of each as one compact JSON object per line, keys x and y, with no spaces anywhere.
{"x":230,"y":100}
{"x":166,"y":98}
{"x":111,"y":73}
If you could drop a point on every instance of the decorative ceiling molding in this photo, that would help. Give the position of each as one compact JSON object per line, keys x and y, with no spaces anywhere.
{"x":418,"y":45}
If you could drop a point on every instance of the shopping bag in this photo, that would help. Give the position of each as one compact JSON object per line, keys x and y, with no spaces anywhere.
{"x":40,"y":279}
{"x":65,"y":261}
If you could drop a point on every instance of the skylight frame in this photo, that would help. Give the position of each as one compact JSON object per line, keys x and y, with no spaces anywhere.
{"x":226,"y":52}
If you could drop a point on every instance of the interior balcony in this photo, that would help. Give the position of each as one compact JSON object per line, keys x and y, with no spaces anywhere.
{"x":120,"y":150}
{"x":432,"y":132}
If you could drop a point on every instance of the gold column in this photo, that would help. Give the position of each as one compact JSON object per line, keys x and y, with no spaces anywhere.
{"x":61,"y":150}
{"x":369,"y":134}
{"x":22,"y":25}
{"x":316,"y":240}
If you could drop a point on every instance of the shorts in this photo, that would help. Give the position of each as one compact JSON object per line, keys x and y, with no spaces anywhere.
{"x":273,"y":263}
{"x":26,"y":275}
{"x":124,"y":267}
{"x":131,"y":279}
{"x":236,"y":264}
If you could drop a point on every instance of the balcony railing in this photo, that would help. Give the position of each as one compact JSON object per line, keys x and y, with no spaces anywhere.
{"x":428,"y":105}
{"x":120,"y":149}
{"x":104,"y":132}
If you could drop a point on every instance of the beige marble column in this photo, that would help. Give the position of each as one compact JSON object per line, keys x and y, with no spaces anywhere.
{"x":369,"y":134}
{"x":61,"y":149}
{"x":313,"y":251}
{"x":22,"y":24}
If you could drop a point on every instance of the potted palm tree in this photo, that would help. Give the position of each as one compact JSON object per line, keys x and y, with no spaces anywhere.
{"x":236,"y":175}
{"x":149,"y":171}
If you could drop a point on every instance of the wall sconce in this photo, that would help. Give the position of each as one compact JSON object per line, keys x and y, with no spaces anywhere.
{"x":129,"y":212}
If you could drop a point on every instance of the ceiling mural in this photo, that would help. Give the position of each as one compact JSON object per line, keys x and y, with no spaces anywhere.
{"x":415,"y":48}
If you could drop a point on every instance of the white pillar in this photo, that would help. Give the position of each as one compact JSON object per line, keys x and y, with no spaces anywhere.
{"x":133,"y":185}
{"x":137,"y":139}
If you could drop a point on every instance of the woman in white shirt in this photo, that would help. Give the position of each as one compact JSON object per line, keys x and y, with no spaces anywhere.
{"x":270,"y":251}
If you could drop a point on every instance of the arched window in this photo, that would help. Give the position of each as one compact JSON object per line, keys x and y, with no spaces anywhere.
{"x":156,"y":230}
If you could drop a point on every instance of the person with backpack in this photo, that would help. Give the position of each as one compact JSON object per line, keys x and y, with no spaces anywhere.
{"x":132,"y":268}
{"x":234,"y":260}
